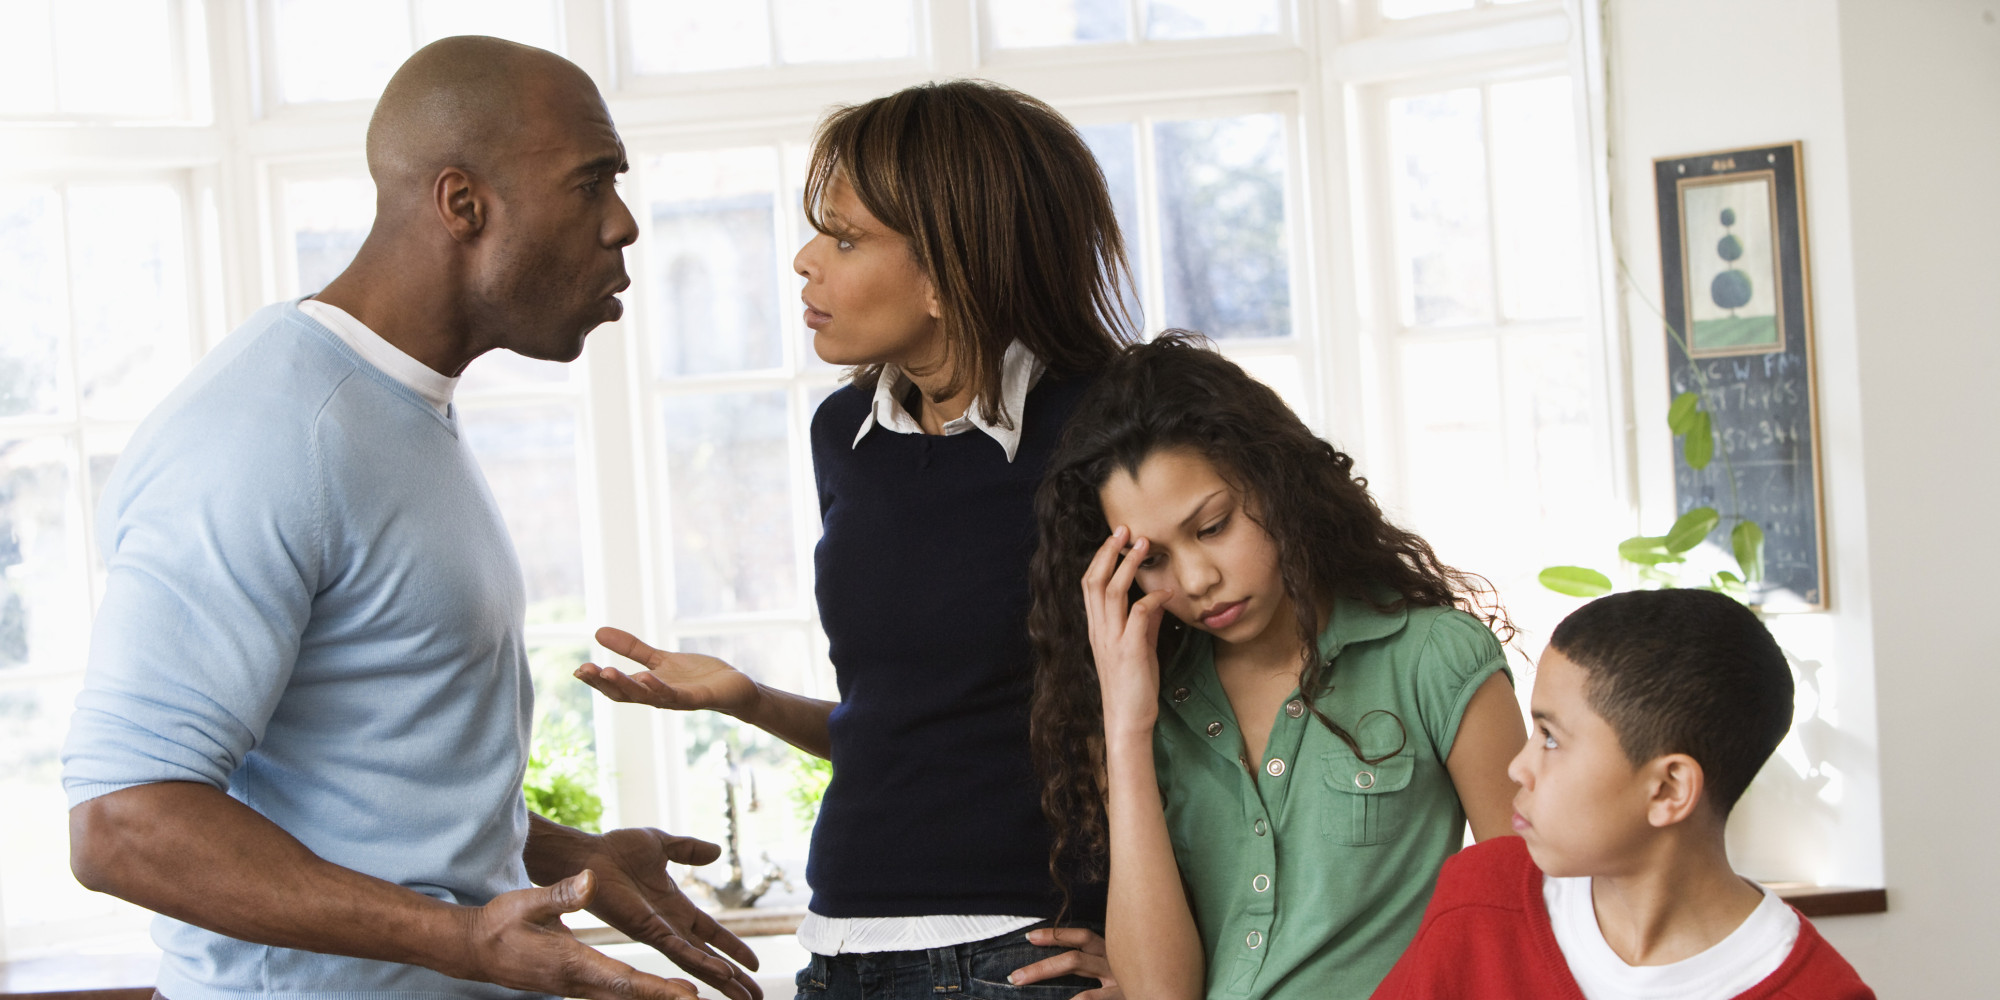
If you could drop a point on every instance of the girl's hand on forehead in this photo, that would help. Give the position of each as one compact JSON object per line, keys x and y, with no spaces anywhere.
{"x":1124,"y":634}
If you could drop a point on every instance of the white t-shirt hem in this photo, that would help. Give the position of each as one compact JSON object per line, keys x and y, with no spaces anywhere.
{"x":869,"y":935}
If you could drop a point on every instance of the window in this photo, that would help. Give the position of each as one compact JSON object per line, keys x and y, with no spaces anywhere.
{"x":675,"y":37}
{"x":1495,"y":409}
{"x":345,"y":50}
{"x":1380,"y":207}
{"x":1040,"y":23}
{"x":106,"y":60}
{"x":96,"y":286}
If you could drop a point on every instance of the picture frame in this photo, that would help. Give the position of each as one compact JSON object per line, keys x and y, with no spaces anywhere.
{"x":1737,"y":302}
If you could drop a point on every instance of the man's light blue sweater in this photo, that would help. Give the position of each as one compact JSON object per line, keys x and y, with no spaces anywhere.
{"x":312,"y":604}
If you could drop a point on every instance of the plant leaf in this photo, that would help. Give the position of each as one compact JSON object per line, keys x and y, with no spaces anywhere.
{"x":1699,"y":445}
{"x":1576,"y":581}
{"x":1747,"y":541}
{"x":1680,"y":414}
{"x":1691,"y":528}
{"x":1647,"y":550}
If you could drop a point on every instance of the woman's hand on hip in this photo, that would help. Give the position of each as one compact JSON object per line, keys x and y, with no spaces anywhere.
{"x":1085,"y":959}
{"x":684,"y":681}
{"x":1124,"y":635}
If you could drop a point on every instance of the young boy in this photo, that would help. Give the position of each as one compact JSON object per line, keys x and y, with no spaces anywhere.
{"x":1653,"y":710}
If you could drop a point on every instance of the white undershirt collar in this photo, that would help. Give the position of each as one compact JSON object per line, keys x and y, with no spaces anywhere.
{"x":387,"y":358}
{"x":1019,"y":370}
{"x":1728,"y":968}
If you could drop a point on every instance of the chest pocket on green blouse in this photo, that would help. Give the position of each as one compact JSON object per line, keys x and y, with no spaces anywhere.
{"x":1366,"y":805}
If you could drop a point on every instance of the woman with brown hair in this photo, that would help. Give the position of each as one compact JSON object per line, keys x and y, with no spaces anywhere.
{"x":967,"y":267}
{"x":1270,"y":713}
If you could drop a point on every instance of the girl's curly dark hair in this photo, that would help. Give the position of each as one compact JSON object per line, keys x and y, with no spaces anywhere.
{"x":1332,"y":540}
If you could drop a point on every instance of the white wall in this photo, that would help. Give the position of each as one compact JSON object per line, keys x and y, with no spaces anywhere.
{"x":1898,"y":105}
{"x":1922,"y":96}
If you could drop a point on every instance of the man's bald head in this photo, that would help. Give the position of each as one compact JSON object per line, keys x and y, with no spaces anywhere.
{"x":463,"y":102}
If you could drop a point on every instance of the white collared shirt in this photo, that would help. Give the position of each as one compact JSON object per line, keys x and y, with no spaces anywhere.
{"x":386,"y":357}
{"x":1019,"y":371}
{"x":1731,"y":966}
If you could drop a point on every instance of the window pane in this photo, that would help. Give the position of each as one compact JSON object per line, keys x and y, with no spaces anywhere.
{"x":1437,"y":152}
{"x":1551,"y":376}
{"x":127,"y":269}
{"x":499,"y":370}
{"x":712,"y":251}
{"x":530,"y":22}
{"x":43,"y":603}
{"x":328,"y":219}
{"x":101,"y":451}
{"x":790,"y":311}
{"x":46,"y":910}
{"x":843,"y":30}
{"x":1115,"y":146}
{"x":1454,"y":447}
{"x":728,"y":492}
{"x":1536,"y":219}
{"x":563,"y":706}
{"x":116,"y":57}
{"x":776,"y":656}
{"x":1033,"y":23}
{"x":27,"y":59}
{"x":764,"y":777}
{"x":1502,"y":432}
{"x":1418,"y":8}
{"x":338,"y":50}
{"x":564,"y":746}
{"x":32,"y":301}
{"x":529,"y":456}
{"x":1285,"y":375}
{"x":692,"y":36}
{"x":346,"y":50}
{"x":1222,"y":225}
{"x":1210,"y":18}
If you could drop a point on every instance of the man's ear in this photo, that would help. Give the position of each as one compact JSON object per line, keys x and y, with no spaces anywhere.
{"x":1675,"y":786}
{"x":460,"y":204}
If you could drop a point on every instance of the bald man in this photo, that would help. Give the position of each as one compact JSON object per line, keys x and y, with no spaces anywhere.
{"x":306,"y":717}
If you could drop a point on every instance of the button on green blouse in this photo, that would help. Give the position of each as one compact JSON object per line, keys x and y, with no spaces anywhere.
{"x":1309,"y":879}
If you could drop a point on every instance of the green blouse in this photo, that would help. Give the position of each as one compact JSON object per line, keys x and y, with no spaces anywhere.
{"x":1310,"y":879}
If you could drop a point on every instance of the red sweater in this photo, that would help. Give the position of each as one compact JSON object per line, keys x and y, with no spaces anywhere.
{"x":1486,"y":936}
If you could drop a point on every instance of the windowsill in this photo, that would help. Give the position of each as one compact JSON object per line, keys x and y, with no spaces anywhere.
{"x":1818,"y":901}
{"x":128,"y":977}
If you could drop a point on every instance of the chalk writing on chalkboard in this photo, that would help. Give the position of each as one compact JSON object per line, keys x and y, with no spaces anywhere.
{"x":1738,"y":311}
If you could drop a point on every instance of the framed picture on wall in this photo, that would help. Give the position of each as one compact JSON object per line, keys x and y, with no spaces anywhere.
{"x":1738,"y":306}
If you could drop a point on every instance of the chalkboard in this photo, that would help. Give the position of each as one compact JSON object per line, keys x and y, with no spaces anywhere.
{"x":1739,"y":332}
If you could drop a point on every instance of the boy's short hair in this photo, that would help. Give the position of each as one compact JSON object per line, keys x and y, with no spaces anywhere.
{"x":1684,"y":671}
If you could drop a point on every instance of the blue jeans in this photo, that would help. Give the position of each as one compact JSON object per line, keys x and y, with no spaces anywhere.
{"x":975,"y":971}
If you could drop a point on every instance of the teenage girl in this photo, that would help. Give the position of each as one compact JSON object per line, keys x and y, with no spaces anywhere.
{"x":967,"y":266}
{"x":1281,"y":741}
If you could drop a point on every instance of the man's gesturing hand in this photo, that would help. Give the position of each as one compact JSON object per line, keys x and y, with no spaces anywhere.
{"x":635,"y":894}
{"x":518,"y":940}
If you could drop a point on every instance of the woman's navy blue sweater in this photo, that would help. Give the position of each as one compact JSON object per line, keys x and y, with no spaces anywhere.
{"x":922,"y":582}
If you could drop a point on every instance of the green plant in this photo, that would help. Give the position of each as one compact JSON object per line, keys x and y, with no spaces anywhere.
{"x":558,"y":786}
{"x":1656,"y":557}
{"x":810,"y":776}
{"x":561,"y":781}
